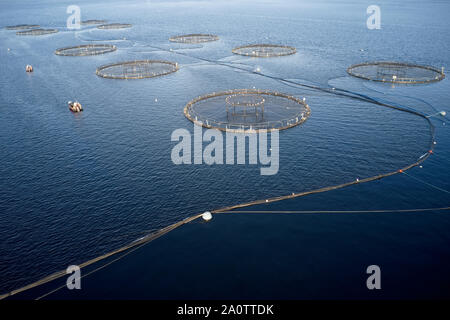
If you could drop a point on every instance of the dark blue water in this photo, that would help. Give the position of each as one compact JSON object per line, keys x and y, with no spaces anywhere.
{"x":76,"y":186}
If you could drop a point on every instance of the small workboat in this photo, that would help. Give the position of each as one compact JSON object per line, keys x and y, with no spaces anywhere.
{"x":75,"y":106}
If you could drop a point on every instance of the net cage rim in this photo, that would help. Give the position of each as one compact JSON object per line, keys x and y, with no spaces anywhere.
{"x":40,"y":32}
{"x":105,"y":66}
{"x":292,"y":51}
{"x":108,"y":48}
{"x":440,"y":74}
{"x":22,"y":27}
{"x":179,"y":38}
{"x":114,"y":26}
{"x":247,"y":128}
{"x":93,"y":21}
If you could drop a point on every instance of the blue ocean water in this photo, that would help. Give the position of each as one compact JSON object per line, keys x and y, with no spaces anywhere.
{"x":75,"y":186}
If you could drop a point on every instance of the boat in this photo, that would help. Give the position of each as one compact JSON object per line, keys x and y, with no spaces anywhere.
{"x":75,"y":106}
{"x":29,"y":68}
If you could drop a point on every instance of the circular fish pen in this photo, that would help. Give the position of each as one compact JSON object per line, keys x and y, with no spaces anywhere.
{"x":114,"y":26}
{"x":247,"y":110}
{"x":36,"y":32}
{"x":194,"y":38}
{"x":91,"y":22}
{"x":23,"y":27}
{"x":396,"y":72}
{"x":85,"y":50}
{"x":264,"y":50}
{"x":137,"y":69}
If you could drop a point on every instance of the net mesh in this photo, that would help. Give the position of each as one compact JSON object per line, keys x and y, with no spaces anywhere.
{"x":396,"y":72}
{"x":264,"y":50}
{"x":85,"y":50}
{"x":194,"y":38}
{"x":247,"y":109}
{"x":137,"y":69}
{"x":23,"y":26}
{"x":115,"y":26}
{"x":36,"y":32}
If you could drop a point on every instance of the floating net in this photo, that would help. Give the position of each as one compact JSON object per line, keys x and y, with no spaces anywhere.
{"x":396,"y":72}
{"x":264,"y":50}
{"x":194,"y":38}
{"x":22,"y":26}
{"x":36,"y":32}
{"x":137,"y":69}
{"x":115,"y":26}
{"x":247,"y":110}
{"x":90,"y":22}
{"x":86,"y":50}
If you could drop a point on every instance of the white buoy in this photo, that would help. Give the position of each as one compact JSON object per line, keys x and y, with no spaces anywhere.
{"x":443,"y":113}
{"x":207,"y":216}
{"x":420,"y":167}
{"x":156,"y":100}
{"x":357,"y":179}
{"x":258,"y":69}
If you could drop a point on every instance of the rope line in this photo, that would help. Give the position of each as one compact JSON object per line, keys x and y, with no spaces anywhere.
{"x":339,"y":211}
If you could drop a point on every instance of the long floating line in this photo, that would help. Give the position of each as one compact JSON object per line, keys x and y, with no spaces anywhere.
{"x":337,"y":211}
{"x":335,"y":91}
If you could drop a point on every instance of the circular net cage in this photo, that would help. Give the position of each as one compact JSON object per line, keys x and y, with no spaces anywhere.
{"x":247,"y":110}
{"x":36,"y":32}
{"x":396,"y":72}
{"x":23,"y":27}
{"x":194,"y":38}
{"x":264,"y":50}
{"x":91,"y":22}
{"x":86,"y":50}
{"x":115,"y":26}
{"x":137,"y":69}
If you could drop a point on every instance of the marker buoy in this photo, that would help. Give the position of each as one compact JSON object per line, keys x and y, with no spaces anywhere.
{"x":443,"y":113}
{"x":401,"y":171}
{"x":431,"y":151}
{"x":207,"y":216}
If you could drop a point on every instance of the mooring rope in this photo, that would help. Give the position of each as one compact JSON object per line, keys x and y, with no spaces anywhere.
{"x":336,"y":91}
{"x":337,"y":211}
{"x":426,"y":183}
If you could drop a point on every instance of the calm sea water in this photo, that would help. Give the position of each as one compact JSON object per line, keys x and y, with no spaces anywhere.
{"x":75,"y":186}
